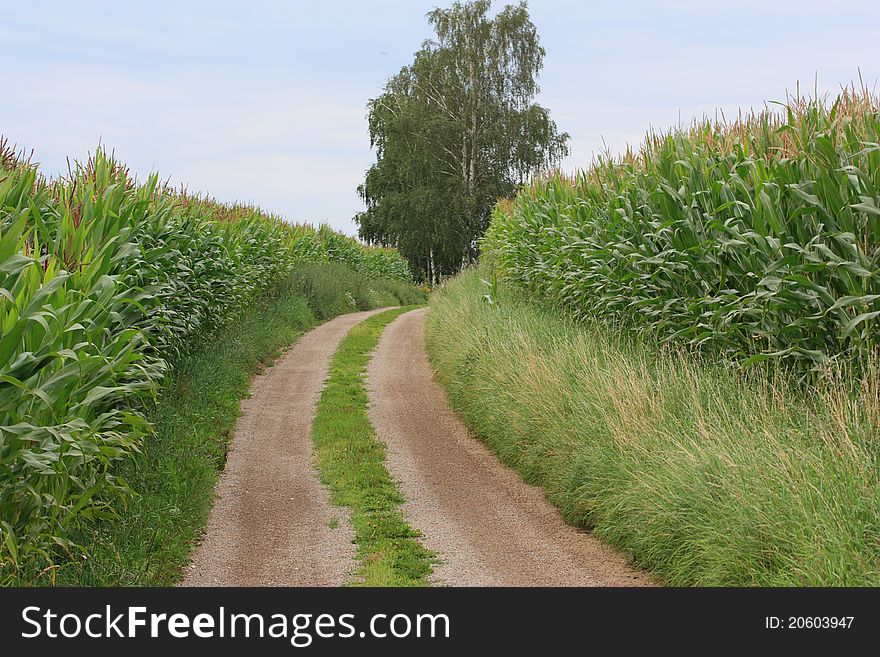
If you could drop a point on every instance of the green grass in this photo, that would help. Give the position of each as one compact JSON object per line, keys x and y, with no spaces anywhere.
{"x":703,"y":474}
{"x":351,"y":462}
{"x":149,"y":543}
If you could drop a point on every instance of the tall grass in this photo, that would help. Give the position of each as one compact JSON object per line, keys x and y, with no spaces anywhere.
{"x":753,"y":240}
{"x":701,"y":473}
{"x":104,"y":283}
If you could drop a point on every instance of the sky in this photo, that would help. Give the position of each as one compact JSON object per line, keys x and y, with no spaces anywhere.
{"x":265,"y":102}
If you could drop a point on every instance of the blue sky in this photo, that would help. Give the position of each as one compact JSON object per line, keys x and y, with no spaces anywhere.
{"x":265,"y":101}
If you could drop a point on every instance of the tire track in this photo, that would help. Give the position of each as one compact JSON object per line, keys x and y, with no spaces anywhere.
{"x":269,"y":526}
{"x":488,"y":526}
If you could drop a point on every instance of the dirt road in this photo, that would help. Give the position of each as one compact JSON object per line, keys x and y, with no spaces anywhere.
{"x":269,"y":526}
{"x":487,"y":525}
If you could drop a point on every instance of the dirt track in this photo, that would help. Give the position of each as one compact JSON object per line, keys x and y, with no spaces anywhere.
{"x":269,"y":526}
{"x":487,"y":525}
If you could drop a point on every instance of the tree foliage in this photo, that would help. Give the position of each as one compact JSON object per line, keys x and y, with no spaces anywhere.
{"x":453,"y":132}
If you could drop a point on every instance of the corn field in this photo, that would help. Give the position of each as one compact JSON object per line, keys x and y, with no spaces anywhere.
{"x":103,"y":283}
{"x":754,"y":239}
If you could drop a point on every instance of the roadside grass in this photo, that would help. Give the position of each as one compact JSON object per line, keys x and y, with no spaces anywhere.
{"x":351,"y":463}
{"x":175,"y":474}
{"x":703,"y":474}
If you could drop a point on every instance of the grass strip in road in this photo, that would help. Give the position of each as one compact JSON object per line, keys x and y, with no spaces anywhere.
{"x":351,"y":463}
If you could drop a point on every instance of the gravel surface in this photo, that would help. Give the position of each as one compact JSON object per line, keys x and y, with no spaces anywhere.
{"x":269,"y":526}
{"x":488,"y":526}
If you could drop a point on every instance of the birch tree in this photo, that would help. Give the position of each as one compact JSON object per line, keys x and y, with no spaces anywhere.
{"x":453,"y":132}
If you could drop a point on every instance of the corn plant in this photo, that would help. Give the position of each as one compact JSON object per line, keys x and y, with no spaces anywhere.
{"x":754,"y":240}
{"x":69,"y":353}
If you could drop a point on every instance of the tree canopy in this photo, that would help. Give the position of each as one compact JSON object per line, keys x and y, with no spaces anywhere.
{"x":453,"y":132}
